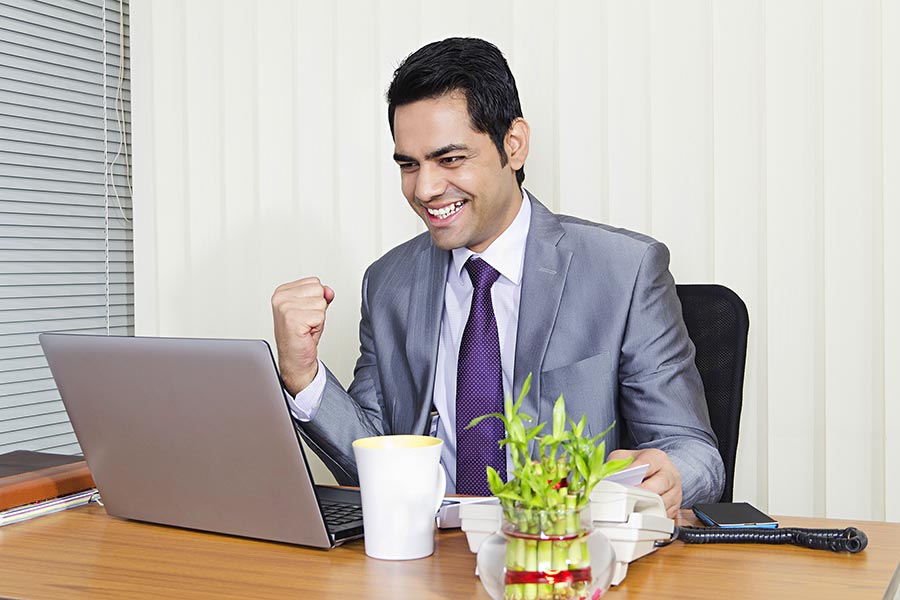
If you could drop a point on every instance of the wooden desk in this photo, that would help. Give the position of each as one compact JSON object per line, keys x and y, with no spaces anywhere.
{"x":83,"y":553}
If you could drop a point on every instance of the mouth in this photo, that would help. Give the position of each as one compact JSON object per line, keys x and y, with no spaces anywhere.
{"x":445,"y":212}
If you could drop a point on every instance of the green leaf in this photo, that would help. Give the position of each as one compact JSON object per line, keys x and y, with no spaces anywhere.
{"x":516,"y":431}
{"x":559,"y":417}
{"x":533,"y":432}
{"x":582,"y":467}
{"x":597,"y":460}
{"x":510,"y":495}
{"x":597,"y":437}
{"x":616,"y":465}
{"x":478,"y":420}
{"x":578,"y":428}
{"x":526,"y":387}
{"x":494,"y":482}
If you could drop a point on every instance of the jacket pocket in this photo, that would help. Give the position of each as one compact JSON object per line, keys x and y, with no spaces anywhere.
{"x":588,"y":387}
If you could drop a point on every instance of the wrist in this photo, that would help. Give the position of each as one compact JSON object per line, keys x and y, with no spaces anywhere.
{"x":297,"y":381}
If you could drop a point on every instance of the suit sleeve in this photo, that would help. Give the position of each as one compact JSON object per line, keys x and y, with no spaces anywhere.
{"x":661,"y":394}
{"x":344,"y":416}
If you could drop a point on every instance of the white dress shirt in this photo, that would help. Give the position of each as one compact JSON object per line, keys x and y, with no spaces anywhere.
{"x":507,"y":255}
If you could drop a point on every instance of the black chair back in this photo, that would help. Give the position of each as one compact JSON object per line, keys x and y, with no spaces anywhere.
{"x":717,"y":323}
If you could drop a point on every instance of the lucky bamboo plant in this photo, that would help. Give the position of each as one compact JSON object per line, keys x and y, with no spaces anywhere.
{"x":544,"y":497}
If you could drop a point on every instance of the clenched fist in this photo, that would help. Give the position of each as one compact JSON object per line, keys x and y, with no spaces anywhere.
{"x":299,"y":309}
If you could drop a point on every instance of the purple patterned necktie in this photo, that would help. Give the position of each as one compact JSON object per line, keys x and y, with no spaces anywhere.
{"x":479,"y":388}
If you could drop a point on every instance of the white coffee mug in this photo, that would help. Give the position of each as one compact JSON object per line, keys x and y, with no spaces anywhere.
{"x":402,"y":484}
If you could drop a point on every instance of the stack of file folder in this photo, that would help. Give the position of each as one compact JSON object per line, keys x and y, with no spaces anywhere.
{"x":38,"y":483}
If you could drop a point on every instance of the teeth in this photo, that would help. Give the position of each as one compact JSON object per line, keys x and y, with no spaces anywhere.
{"x":443,"y":213}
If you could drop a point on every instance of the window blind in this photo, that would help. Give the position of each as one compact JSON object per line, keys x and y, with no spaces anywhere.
{"x":65,"y":200}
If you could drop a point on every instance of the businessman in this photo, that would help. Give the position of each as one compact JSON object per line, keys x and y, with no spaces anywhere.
{"x":498,"y":287}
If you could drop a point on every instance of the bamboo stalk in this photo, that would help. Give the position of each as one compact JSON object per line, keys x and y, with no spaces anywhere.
{"x":545,"y":550}
{"x":531,"y":560}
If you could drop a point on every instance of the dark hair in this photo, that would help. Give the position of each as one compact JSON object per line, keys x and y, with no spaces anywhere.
{"x":468,"y":65}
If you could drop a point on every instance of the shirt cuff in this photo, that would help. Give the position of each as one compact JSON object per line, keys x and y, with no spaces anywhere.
{"x":305,"y":404}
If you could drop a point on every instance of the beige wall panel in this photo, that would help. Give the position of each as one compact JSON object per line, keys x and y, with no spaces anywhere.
{"x":239,"y":306}
{"x":739,"y":210}
{"x":203,"y":137}
{"x":890,"y":68}
{"x":172,"y":235}
{"x":681,"y":135}
{"x":280,"y":220}
{"x":581,"y":99}
{"x":491,"y":21}
{"x":438,"y":22}
{"x":316,"y":168}
{"x":398,"y":35}
{"x":533,"y":60}
{"x":628,"y":109}
{"x":356,"y":132}
{"x":793,"y":221}
{"x":853,"y":313}
{"x":146,"y":284}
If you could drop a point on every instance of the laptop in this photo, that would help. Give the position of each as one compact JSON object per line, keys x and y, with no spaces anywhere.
{"x":195,"y":433}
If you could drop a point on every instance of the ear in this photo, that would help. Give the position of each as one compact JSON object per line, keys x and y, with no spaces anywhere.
{"x":516,"y":143}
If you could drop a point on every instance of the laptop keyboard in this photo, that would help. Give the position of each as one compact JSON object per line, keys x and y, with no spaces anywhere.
{"x":340,"y":513}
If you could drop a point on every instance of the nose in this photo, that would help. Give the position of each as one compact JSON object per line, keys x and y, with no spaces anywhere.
{"x":430,"y":183}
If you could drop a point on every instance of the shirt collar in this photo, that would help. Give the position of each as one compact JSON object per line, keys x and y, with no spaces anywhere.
{"x":507,"y":252}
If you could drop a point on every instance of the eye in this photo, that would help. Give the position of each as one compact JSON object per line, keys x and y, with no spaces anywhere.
{"x":451,"y":160}
{"x":408,"y":167}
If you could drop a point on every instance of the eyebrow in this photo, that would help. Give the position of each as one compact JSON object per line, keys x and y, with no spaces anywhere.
{"x":434,"y":154}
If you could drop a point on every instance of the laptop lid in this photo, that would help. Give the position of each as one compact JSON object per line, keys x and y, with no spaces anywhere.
{"x":189,"y":432}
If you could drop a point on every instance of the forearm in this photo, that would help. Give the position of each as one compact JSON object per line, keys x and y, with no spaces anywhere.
{"x":700,"y":465}
{"x":341,"y":418}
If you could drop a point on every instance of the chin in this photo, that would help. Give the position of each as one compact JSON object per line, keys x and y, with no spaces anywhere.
{"x":445,"y":242}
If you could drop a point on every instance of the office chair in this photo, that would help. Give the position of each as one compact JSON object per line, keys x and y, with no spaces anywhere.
{"x":717,"y":323}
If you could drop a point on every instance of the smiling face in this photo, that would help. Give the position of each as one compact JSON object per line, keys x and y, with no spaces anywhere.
{"x":452,"y":175}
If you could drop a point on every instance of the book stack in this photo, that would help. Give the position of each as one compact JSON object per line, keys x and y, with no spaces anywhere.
{"x":631,"y":518}
{"x":38,"y":483}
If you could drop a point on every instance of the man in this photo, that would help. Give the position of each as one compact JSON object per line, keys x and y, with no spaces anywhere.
{"x":590,"y":311}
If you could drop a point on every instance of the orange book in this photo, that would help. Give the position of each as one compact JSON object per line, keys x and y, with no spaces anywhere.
{"x":27,"y":477}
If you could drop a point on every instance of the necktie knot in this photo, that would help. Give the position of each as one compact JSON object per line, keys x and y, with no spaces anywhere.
{"x":482,"y":274}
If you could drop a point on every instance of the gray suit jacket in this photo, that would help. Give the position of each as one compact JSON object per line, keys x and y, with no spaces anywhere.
{"x":599,"y":322}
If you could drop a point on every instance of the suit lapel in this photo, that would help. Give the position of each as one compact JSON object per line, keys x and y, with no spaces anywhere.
{"x":543,"y":279}
{"x":426,"y":306}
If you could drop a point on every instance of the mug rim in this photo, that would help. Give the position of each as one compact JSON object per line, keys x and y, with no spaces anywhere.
{"x":397,"y":442}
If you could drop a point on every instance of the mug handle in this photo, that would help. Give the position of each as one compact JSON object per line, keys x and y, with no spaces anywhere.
{"x":441,"y":487}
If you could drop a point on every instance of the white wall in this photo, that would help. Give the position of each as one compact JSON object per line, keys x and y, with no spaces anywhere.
{"x":759,"y":140}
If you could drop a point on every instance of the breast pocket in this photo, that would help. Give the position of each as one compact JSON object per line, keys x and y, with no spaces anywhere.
{"x":588,"y":387}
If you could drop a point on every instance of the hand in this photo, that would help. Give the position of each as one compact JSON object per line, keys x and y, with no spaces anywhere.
{"x":662,"y":476}
{"x":298,"y":309}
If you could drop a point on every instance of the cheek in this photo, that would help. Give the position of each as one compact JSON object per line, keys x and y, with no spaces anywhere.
{"x":408,"y":186}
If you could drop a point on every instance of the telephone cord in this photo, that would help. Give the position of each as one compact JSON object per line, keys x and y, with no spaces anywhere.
{"x":850,"y":540}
